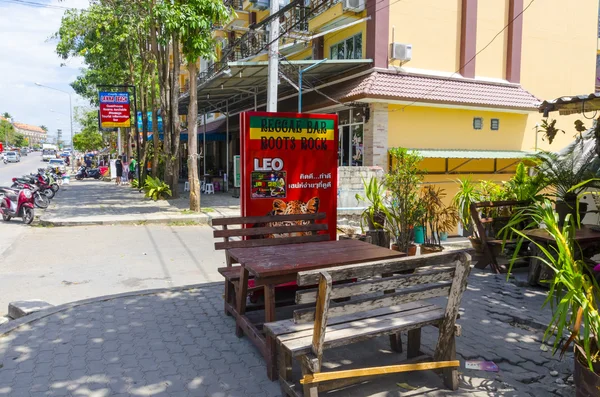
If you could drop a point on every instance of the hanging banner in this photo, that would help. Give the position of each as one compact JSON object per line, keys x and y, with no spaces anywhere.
{"x":114,"y":109}
{"x":289,"y":164}
{"x":149,"y":123}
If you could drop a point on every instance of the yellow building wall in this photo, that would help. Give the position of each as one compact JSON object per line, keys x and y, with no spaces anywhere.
{"x":492,"y":16}
{"x":343,"y":34}
{"x":433,"y":29}
{"x":442,"y":128}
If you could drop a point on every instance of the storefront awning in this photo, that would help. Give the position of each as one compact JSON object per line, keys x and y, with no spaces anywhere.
{"x":242,"y":84}
{"x":472,"y":154}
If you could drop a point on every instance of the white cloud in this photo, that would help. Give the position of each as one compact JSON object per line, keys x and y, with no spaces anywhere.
{"x":28,"y":56}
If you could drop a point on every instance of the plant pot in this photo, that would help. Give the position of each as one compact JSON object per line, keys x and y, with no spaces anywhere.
{"x":587,"y":383}
{"x":379,"y":218}
{"x":430,"y":249}
{"x":419,"y":237}
{"x":563,"y":208}
{"x":412,"y":249}
{"x":476,"y":244}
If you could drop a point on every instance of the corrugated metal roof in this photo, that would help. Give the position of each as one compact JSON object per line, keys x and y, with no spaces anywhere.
{"x":472,"y":154}
{"x":566,"y":105}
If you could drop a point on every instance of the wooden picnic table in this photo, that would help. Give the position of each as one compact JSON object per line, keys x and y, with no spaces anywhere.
{"x":274,"y":265}
{"x":588,"y":240}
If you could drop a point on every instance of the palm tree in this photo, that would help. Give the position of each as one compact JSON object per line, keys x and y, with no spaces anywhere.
{"x":43,"y":127}
{"x":6,"y":115}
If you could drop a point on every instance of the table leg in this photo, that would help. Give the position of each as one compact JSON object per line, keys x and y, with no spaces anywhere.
{"x":242,"y":292}
{"x":271,"y":350}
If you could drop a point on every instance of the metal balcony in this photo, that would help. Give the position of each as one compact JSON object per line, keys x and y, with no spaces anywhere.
{"x":237,"y":5}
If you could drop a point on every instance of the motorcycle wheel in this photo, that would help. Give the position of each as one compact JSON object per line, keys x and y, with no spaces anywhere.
{"x":49,"y":193}
{"x":97,"y":176}
{"x":41,"y":200}
{"x":54,"y":187}
{"x":5,"y":216}
{"x":27,"y":215}
{"x":78,"y":177}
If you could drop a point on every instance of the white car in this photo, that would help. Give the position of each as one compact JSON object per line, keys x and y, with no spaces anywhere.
{"x":12,"y":157}
{"x":58,"y":163}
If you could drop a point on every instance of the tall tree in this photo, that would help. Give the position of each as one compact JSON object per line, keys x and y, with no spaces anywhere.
{"x":89,"y":138}
{"x":6,"y":115}
{"x":44,"y":128}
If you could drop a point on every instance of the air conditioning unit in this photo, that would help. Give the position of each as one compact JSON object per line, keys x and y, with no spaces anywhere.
{"x":354,"y":5}
{"x":401,"y":52}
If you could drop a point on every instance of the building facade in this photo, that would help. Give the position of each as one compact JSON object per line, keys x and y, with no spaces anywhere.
{"x":34,"y":134}
{"x":458,"y":80}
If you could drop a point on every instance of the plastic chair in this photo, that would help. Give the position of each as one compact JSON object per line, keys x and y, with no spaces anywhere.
{"x":202,"y":186}
{"x":209,"y":188}
{"x":186,"y":187}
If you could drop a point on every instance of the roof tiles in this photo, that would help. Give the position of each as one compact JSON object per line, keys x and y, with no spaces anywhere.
{"x":442,"y":90}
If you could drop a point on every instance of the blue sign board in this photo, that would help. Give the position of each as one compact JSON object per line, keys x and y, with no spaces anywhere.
{"x":150,"y":125}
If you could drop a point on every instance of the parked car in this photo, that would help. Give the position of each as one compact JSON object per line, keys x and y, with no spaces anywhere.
{"x":24,"y":152}
{"x":58,"y":163}
{"x":12,"y":157}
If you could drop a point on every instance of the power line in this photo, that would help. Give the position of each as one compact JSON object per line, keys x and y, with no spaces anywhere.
{"x":34,"y":4}
{"x":470,"y":60}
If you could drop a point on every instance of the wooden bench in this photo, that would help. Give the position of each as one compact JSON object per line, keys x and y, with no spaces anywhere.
{"x":260,"y":231}
{"x":485,"y":215}
{"x":371,"y":306}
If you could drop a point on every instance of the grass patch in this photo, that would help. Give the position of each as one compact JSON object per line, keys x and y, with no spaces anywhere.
{"x":183,"y":223}
{"x":208,"y":209}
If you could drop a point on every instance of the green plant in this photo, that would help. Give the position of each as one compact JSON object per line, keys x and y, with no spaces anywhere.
{"x":550,"y":130}
{"x":403,"y":180}
{"x":135,"y":183}
{"x":525,"y":187}
{"x":437,"y":217}
{"x":573,"y":291}
{"x":156,"y":189}
{"x":466,"y":195}
{"x":374,"y":214}
{"x":564,"y":172}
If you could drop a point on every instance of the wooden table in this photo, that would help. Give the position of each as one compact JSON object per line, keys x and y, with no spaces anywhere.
{"x":588,"y":240}
{"x":274,"y":265}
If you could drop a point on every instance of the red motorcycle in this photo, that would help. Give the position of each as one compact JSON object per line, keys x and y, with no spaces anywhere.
{"x":16,"y":203}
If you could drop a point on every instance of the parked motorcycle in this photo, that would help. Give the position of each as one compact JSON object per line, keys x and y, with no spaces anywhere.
{"x":40,"y":199}
{"x":85,"y":172}
{"x":34,"y":180}
{"x":15,"y":203}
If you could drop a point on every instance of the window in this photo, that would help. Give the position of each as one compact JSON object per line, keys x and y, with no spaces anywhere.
{"x":495,"y":124}
{"x":351,"y":48}
{"x":477,"y":123}
{"x":351,"y":142}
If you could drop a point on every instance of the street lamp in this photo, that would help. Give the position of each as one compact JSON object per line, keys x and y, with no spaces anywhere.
{"x":70,"y":114}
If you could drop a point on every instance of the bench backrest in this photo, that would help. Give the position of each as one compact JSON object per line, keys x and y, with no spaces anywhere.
{"x":435,"y":275}
{"x":258,"y":231}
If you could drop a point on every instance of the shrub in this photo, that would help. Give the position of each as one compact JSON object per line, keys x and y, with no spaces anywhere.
{"x":156,"y":189}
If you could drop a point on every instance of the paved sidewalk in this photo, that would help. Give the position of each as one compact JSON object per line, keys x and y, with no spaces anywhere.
{"x":91,"y":202}
{"x":179,"y":343}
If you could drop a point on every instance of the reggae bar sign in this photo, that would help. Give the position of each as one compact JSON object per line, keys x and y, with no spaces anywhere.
{"x":114,"y":109}
{"x":289,"y":164}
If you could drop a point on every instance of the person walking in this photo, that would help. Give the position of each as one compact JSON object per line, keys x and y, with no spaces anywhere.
{"x":119,"y":169}
{"x":132,"y":166}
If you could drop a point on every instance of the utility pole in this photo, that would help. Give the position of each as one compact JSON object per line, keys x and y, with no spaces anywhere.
{"x":273,"y":71}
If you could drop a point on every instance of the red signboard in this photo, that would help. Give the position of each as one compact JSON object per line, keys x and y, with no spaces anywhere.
{"x":289,"y":164}
{"x":114,"y":109}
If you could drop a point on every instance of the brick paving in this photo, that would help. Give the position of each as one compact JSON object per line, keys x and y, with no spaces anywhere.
{"x":180,"y":343}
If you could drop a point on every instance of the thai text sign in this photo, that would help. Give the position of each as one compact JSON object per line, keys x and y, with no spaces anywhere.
{"x":289,"y":164}
{"x":114,"y":109}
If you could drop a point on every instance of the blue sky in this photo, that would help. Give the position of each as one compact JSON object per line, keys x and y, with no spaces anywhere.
{"x":27,"y":57}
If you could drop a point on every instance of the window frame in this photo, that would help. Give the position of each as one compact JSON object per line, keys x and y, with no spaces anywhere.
{"x":334,"y":48}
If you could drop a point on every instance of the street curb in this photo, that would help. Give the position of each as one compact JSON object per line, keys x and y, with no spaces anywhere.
{"x":14,"y":324}
{"x":202,"y":219}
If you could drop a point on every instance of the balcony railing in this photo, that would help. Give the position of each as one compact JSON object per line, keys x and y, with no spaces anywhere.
{"x":235,"y":4}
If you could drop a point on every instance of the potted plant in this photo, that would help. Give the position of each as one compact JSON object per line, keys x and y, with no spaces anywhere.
{"x":568,"y":176}
{"x":573,"y":295}
{"x":466,"y":195}
{"x":374,"y":214}
{"x":402,"y":209}
{"x":438,"y":218}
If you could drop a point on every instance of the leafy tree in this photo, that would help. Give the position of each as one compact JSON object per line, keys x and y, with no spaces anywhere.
{"x":6,"y":129}
{"x":18,"y":140}
{"x":6,"y":115}
{"x":43,"y":127}
{"x":89,"y":138}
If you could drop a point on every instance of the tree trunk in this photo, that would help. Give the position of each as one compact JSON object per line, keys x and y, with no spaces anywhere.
{"x":174,"y":182}
{"x":192,"y":127}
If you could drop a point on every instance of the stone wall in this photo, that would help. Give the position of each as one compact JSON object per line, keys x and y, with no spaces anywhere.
{"x":350,"y":182}
{"x":376,"y":136}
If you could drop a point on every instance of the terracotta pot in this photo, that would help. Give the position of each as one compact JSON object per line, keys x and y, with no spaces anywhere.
{"x":395,"y":247}
{"x":426,"y":249}
{"x":412,"y":250}
{"x":587,"y":383}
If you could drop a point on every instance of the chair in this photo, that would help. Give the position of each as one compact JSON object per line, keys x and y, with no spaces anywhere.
{"x":186,"y":187}
{"x":202,"y":186}
{"x":209,"y":188}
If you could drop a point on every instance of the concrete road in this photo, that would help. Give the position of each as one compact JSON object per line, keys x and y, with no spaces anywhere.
{"x":65,"y":264}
